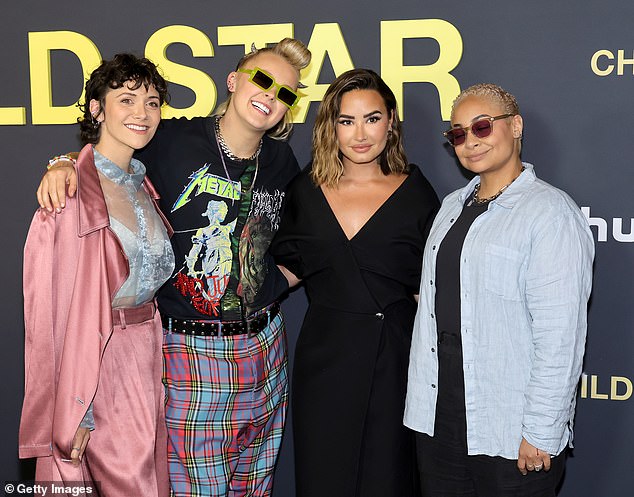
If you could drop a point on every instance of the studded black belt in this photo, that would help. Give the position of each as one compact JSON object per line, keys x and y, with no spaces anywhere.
{"x":252,"y":325}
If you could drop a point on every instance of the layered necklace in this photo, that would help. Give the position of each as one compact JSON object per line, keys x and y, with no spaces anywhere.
{"x":476,"y":198}
{"x":223,"y":145}
{"x":223,"y":149}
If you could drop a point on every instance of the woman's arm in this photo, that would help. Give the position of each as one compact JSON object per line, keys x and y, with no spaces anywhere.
{"x":558,"y":282}
{"x":290,"y":277}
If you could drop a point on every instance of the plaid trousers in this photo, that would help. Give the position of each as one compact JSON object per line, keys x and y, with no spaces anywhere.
{"x":225,"y":411}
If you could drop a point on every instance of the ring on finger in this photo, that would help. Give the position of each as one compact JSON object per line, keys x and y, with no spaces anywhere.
{"x":538,"y":468}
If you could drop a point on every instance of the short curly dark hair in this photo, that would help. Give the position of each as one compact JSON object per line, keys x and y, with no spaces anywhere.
{"x":113,"y":74}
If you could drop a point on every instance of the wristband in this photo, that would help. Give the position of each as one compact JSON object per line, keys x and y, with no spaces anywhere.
{"x":59,"y":158}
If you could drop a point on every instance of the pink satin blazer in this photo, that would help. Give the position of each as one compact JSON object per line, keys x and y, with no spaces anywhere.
{"x":73,"y":266}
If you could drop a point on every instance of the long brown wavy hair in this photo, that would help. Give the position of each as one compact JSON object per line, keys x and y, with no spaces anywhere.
{"x":327,"y":166}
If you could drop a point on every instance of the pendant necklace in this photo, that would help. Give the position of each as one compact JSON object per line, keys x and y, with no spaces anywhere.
{"x":477,"y":200}
{"x":223,"y":150}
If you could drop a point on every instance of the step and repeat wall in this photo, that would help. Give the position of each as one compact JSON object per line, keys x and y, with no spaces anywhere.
{"x":570,"y":65}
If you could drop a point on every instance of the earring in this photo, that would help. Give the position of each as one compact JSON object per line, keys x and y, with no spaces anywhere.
{"x":231,"y":84}
{"x":95,"y":123}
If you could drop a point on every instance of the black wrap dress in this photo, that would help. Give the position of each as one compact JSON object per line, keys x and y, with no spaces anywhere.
{"x":350,"y":372}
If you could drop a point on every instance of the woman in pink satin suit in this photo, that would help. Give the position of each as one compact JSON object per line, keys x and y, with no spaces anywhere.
{"x":93,"y":410}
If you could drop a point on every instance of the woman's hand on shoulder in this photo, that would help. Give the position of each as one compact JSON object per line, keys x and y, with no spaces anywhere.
{"x":51,"y":193}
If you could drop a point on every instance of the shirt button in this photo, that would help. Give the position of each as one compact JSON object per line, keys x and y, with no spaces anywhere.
{"x":433,"y":349}
{"x":432,"y":316}
{"x":451,"y":220}
{"x":379,"y":315}
{"x":433,"y":386}
{"x":431,"y":282}
{"x":434,"y":247}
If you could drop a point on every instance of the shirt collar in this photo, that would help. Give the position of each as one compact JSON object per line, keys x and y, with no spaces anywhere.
{"x":117,"y":175}
{"x":510,"y":196}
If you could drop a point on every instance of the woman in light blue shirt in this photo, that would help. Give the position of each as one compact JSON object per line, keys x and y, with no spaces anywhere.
{"x":500,"y":330}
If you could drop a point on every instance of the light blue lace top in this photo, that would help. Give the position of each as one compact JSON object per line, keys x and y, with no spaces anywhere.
{"x":141,"y":233}
{"x":140,"y":230}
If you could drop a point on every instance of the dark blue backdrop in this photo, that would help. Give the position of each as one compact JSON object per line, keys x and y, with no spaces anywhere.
{"x":569,"y":63}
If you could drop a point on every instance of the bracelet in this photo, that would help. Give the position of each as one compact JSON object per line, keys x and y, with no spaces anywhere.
{"x":59,"y":158}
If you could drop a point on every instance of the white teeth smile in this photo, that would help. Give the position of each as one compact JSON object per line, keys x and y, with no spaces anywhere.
{"x":137,"y":127}
{"x":261,"y":107}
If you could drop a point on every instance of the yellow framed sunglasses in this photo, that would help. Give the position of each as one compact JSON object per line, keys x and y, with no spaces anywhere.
{"x":265,"y":81}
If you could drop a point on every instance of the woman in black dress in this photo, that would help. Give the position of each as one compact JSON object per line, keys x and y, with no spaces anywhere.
{"x":354,"y":229}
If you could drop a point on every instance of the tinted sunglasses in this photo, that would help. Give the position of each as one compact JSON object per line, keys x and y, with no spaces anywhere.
{"x":481,"y":128}
{"x":265,"y":81}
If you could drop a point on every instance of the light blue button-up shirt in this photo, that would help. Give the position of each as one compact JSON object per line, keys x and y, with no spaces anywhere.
{"x":525,"y":279}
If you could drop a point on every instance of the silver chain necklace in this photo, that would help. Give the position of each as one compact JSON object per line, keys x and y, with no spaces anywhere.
{"x":225,"y":148}
{"x":476,"y":191}
{"x":221,"y":149}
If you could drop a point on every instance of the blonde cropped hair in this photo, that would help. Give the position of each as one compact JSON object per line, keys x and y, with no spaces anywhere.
{"x":297,"y":55}
{"x":492,"y":92}
{"x":327,"y":166}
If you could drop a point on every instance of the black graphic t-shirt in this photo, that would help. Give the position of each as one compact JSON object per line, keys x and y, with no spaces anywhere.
{"x":223,"y":223}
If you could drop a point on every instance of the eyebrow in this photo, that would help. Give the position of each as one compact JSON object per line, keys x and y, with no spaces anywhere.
{"x":364,"y":116}
{"x":132,"y":94}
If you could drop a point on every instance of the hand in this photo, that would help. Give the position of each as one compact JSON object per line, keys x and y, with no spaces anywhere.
{"x":290,"y":277}
{"x":52,"y":190}
{"x":532,"y":459}
{"x":82,"y":435}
